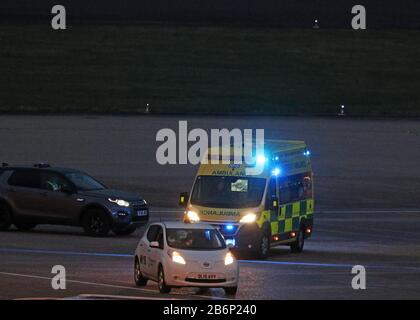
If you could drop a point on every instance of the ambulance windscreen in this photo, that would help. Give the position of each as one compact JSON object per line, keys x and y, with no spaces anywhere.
{"x":228,"y":192}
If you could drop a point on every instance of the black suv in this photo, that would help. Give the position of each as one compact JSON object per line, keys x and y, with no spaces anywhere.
{"x":49,"y":195}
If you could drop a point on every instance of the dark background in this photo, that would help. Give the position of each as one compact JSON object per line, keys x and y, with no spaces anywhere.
{"x":287,"y":13}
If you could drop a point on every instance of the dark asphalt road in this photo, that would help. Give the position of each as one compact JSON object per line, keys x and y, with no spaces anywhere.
{"x":386,"y":243}
{"x":367,"y":183}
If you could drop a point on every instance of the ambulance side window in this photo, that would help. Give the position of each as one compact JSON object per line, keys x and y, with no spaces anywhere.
{"x":284,"y":190}
{"x":293,"y":188}
{"x":271,"y":192}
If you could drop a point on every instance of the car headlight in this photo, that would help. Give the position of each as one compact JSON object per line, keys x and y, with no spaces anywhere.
{"x":177,"y":258}
{"x":248,"y":218}
{"x":121,"y":203}
{"x":229,"y":259}
{"x":192,"y":216}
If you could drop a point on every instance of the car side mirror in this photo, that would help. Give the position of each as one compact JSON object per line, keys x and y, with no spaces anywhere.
{"x":154,"y":244}
{"x":183,"y":199}
{"x":274,"y":205}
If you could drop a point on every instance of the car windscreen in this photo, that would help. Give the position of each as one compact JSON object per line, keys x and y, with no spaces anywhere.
{"x":228,"y":192}
{"x":84,"y":182}
{"x":195,"y":239}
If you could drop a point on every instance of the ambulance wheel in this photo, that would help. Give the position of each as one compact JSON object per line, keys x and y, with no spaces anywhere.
{"x":264,"y":246}
{"x":297,"y":246}
{"x":5,"y":217}
{"x":163,"y":288}
{"x":231,"y":291}
{"x":138,"y":276}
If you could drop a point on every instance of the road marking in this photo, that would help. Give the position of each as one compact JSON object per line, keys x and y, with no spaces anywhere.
{"x":110,"y":286}
{"x":68,"y":253}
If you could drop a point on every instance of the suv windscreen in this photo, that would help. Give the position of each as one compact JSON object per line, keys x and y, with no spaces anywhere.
{"x":228,"y":192}
{"x":25,"y":178}
{"x":84,"y":182}
{"x":195,"y":239}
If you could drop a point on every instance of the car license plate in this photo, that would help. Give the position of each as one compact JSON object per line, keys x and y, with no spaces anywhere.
{"x":206,"y":276}
{"x":142,"y":213}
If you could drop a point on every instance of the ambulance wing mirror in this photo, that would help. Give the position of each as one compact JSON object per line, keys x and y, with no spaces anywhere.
{"x":274,"y":205}
{"x":183,"y":199}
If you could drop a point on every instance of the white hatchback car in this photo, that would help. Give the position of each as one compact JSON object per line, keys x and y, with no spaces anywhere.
{"x":177,"y":254}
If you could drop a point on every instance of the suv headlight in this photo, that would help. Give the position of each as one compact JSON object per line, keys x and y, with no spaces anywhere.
{"x":248,"y":218}
{"x":121,"y":203}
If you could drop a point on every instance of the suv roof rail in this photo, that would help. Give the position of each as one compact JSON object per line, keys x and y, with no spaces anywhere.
{"x":4,"y":164}
{"x":41,"y":165}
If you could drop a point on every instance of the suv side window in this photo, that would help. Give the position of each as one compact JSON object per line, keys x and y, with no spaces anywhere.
{"x":152,"y":233}
{"x":25,"y":178}
{"x":53,"y":182}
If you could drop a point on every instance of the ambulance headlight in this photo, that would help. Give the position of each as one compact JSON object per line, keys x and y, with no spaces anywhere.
{"x":192,"y":216}
{"x":177,"y":258}
{"x":229,"y":259}
{"x":120,"y":202}
{"x":249,"y":218}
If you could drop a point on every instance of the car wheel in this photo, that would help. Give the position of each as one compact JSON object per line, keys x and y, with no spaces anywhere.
{"x":264,"y":246}
{"x":5,"y":217}
{"x":231,"y":290}
{"x":297,"y":246}
{"x":96,"y":223}
{"x":138,"y":276}
{"x":24,"y":226}
{"x":124,"y":231}
{"x":163,"y":288}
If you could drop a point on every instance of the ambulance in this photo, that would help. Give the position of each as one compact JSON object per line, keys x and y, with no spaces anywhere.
{"x":255,"y":212}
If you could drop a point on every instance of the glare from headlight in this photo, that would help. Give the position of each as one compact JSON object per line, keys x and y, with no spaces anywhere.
{"x":229,"y":259}
{"x":177,"y":258}
{"x":249,"y":218}
{"x":120,"y":202}
{"x":192,"y":216}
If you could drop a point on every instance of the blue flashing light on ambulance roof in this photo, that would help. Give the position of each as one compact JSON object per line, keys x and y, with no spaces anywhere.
{"x":307,"y":153}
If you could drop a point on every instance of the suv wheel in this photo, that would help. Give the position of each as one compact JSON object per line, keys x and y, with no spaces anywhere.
{"x":124,"y":231}
{"x":5,"y":217}
{"x":24,"y":226}
{"x":96,"y":223}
